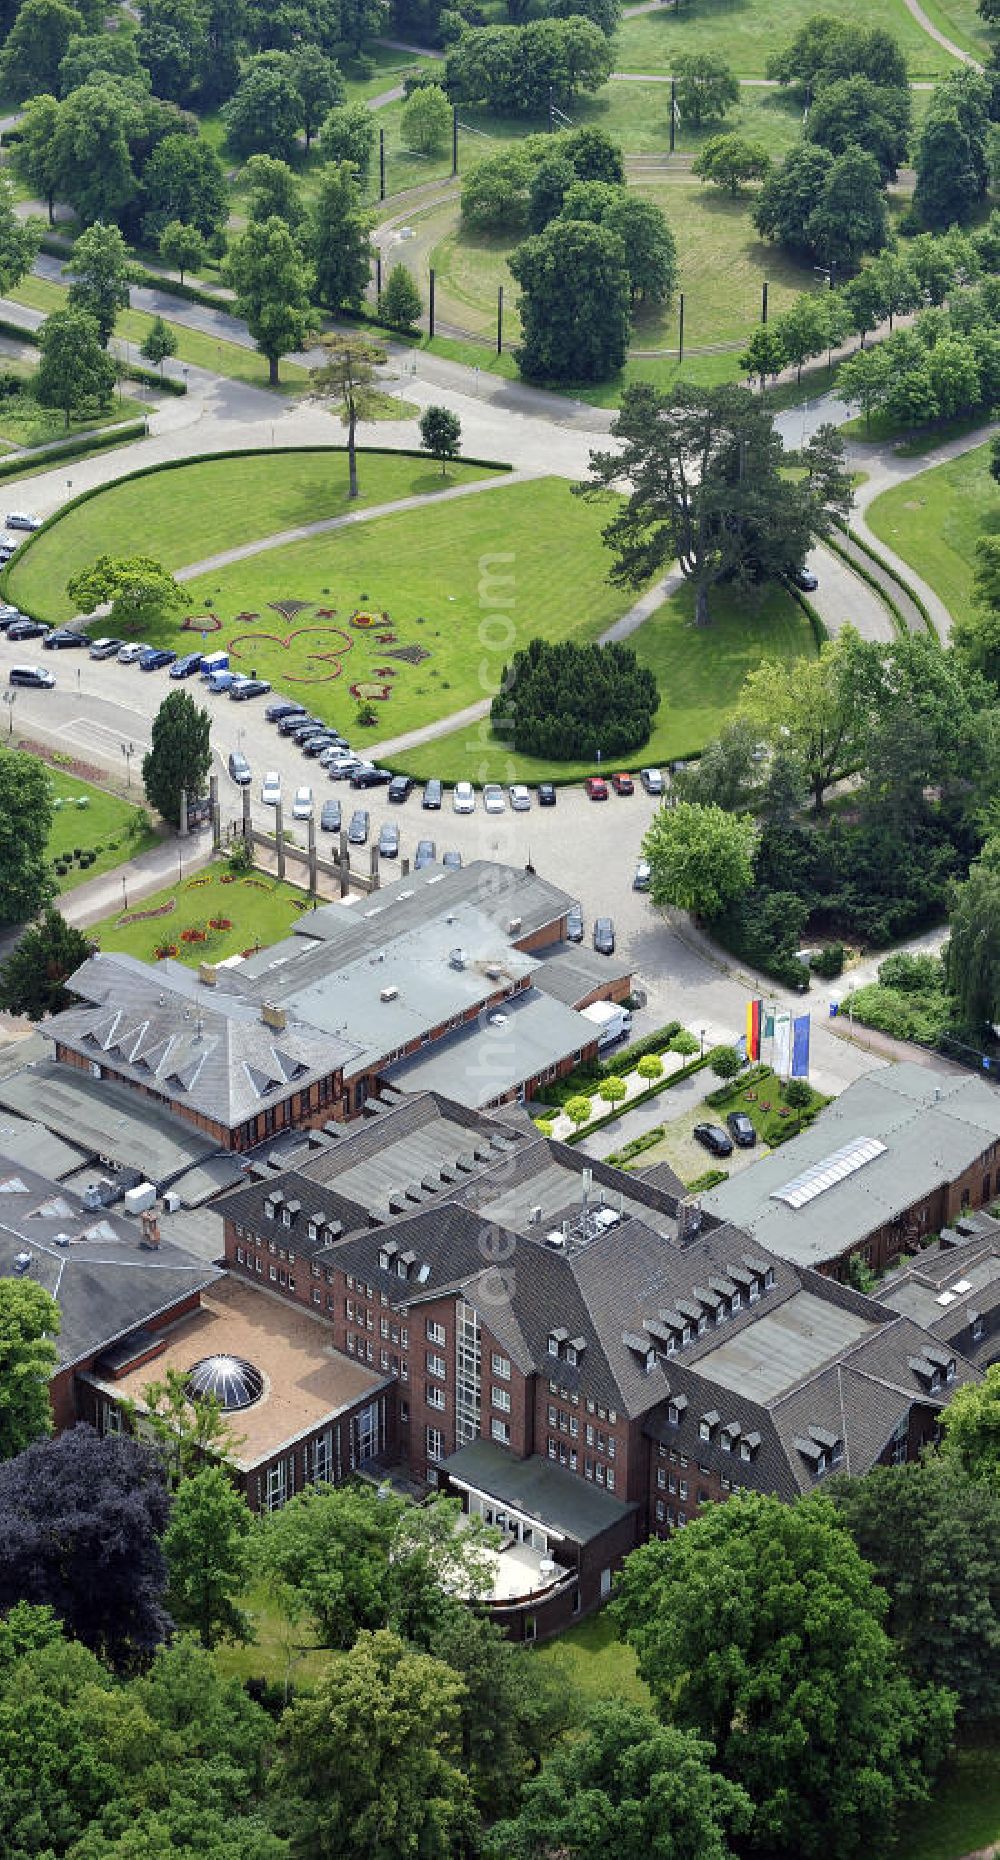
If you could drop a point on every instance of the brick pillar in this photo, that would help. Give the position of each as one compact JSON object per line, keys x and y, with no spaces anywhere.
{"x":279,"y":830}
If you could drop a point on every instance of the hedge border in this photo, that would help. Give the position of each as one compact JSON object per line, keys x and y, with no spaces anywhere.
{"x":894,"y":575}
{"x":27,"y":465}
{"x":820,"y":630}
{"x":202,"y":458}
{"x":863,"y":574}
{"x":643,"y":1097}
{"x":129,"y":371}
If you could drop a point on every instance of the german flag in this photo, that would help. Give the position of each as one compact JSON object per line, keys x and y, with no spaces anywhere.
{"x":755,"y":1016}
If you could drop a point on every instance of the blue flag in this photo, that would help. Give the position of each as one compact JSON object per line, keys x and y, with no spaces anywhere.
{"x":800,"y":1047}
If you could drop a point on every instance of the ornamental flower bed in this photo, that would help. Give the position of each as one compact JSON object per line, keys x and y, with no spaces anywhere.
{"x":194,"y":936}
{"x":220,"y":923}
{"x":163,"y":950}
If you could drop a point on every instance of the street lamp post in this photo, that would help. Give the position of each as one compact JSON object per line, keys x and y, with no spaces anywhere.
{"x":128,"y":751}
{"x":10,"y":699}
{"x":124,"y":893}
{"x":704,"y":1030}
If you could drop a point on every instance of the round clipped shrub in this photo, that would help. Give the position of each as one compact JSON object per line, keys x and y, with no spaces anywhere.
{"x":650,"y":1067}
{"x":578,"y":1110}
{"x":684,"y":1043}
{"x":612,"y":1090}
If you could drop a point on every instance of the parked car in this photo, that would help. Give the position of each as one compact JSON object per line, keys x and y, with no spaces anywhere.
{"x":315,"y":745}
{"x":622,"y":783}
{"x":156,"y":658}
{"x":713,"y":1138}
{"x":604,"y":936}
{"x":105,"y":648}
{"x":186,"y":666}
{"x":22,"y":520}
{"x":367,"y":776}
{"x":426,"y":854}
{"x":283,"y":707}
{"x":388,"y":841}
{"x":546,"y":794}
{"x":432,"y":794}
{"x":65,"y":639}
{"x":246,"y":688}
{"x":222,"y":680}
{"x":464,"y":798}
{"x":642,"y":877}
{"x":270,"y":788}
{"x":805,"y":579}
{"x":741,"y":1129}
{"x":652,"y":780}
{"x":341,"y":765}
{"x":26,"y":629}
{"x":597,"y":787}
{"x":239,"y":768}
{"x":334,"y":752}
{"x":298,"y":721}
{"x":302,"y":805}
{"x":520,"y":798}
{"x":131,"y":652}
{"x":574,"y":924}
{"x":357,"y":832}
{"x":329,"y":818}
{"x":493,"y":801}
{"x":9,"y":616}
{"x":400,"y":788}
{"x":452,"y":861}
{"x":37,"y":675}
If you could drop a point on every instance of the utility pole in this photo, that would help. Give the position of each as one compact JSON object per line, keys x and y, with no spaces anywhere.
{"x":378,"y":274}
{"x":499,"y":319}
{"x":763,"y":303}
{"x":430,"y":308}
{"x":673,"y":114}
{"x":680,"y":340}
{"x":552,"y":108}
{"x":454,"y":140}
{"x":381,"y":164}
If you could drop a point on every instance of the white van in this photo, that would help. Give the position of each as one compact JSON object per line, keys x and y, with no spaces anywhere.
{"x":35,"y":675}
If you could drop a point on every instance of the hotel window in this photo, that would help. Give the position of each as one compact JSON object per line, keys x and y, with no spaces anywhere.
{"x":552,"y":1414}
{"x":351,"y":1345}
{"x":500,"y":1431}
{"x":672,"y":1485}
{"x":599,"y":1473}
{"x":434,"y":1442}
{"x":977,"y":1328}
{"x":434,"y":1396}
{"x":501,"y":1399}
{"x":563,"y":1454}
{"x":277,"y":1486}
{"x":384,"y":1360}
{"x":349,"y":1308}
{"x":258,"y":1266}
{"x":611,"y":1446}
{"x":383,"y":1328}
{"x":404,"y":1338}
{"x":282,"y":1277}
{"x":317,"y":1297}
{"x":588,"y":1469}
{"x":291,"y":1282}
{"x":369,"y":1352}
{"x":272,"y":1248}
{"x":571,"y":1356}
{"x":501,"y":1367}
{"x":589,"y":1435}
{"x":574,"y":1427}
{"x":369,"y":1321}
{"x":601,"y":1442}
{"x":661,"y":1478}
{"x":111,"y":1418}
{"x":551,"y":1448}
{"x":350,"y":1281}
{"x":314,"y":1269}
{"x":590,"y":1405}
{"x":611,"y":1479}
{"x":435,"y":1332}
{"x":684,"y":1488}
{"x":563,"y":1421}
{"x":769,"y":1278}
{"x":660,"y":1511}
{"x":436,"y":1365}
{"x":272,"y":1273}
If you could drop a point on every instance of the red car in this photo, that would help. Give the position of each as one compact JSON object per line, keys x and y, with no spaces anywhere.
{"x":596,"y":788}
{"x":623,"y":784}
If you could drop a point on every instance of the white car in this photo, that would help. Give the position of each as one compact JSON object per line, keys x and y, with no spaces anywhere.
{"x":464,"y":798}
{"x":493,"y":800}
{"x":128,"y":654}
{"x":270,"y":788}
{"x":652,"y":780}
{"x":520,"y":799}
{"x":643,"y":876}
{"x":302,"y":806}
{"x":22,"y":520}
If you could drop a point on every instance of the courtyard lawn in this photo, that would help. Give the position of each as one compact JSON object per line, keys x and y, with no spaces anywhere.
{"x":185,"y":514}
{"x":699,"y":674}
{"x":934,"y":522}
{"x":963,"y":1814}
{"x":746,"y":34}
{"x":24,"y":423}
{"x":413,"y":613}
{"x":281,"y":1651}
{"x":110,"y":828}
{"x":594,"y":1662}
{"x":259,"y":909}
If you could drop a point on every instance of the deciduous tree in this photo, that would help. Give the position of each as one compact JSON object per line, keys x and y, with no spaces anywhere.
{"x":187,"y":1430}
{"x":140,"y":590}
{"x":574,"y":302}
{"x":29,"y":1324}
{"x":731,"y":161}
{"x":320,"y":86}
{"x":706,"y":87}
{"x":268,"y":273}
{"x":34,"y":157}
{"x":973,"y":951}
{"x":74,"y":370}
{"x":761,"y":1629}
{"x":101,"y":271}
{"x":818,"y":709}
{"x":207,"y":1545}
{"x":348,"y":134}
{"x":425,"y":123}
{"x":37,"y":44}
{"x":159,"y":343}
{"x":265,"y":114}
{"x":272,"y":191}
{"x":339,"y":238}
{"x":441,"y":434}
{"x":26,"y":881}
{"x":182,"y":246}
{"x":971,"y":1424}
{"x":349,"y":381}
{"x":700,"y":858}
{"x":33,"y":976}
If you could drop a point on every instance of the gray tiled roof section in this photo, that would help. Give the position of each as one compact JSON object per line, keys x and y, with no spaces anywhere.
{"x":573,"y":972}
{"x":103,"y":1118}
{"x":481,"y":1062}
{"x":547,"y":1493}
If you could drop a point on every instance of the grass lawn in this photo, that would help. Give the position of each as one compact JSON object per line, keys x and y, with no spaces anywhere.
{"x":196,"y":510}
{"x":596,"y":1663}
{"x":279,"y":1650}
{"x":260,"y":909}
{"x":962,"y":23}
{"x":963,"y":1814}
{"x":935,"y":520}
{"x":113,"y":829}
{"x":24,"y":423}
{"x":699,"y":674}
{"x":442,"y":643}
{"x":193,"y":346}
{"x":745,"y":34}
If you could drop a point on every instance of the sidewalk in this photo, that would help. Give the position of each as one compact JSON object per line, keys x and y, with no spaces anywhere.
{"x":138,"y":878}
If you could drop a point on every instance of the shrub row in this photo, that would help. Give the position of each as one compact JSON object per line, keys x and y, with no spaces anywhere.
{"x":674,"y":1078}
{"x":874,"y":556}
{"x":585,"y":1079}
{"x":865,"y":574}
{"x":25,"y":463}
{"x":130,"y":371}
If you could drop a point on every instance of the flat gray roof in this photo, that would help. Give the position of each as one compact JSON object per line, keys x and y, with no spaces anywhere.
{"x":783,"y":1347}
{"x":549,"y":1494}
{"x":934,"y":1126}
{"x":482,"y":1062}
{"x":558,"y":1191}
{"x":573,"y":971}
{"x":39,"y":1148}
{"x":106,"y":1119}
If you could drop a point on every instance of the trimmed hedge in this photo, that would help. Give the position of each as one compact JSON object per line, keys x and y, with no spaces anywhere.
{"x":820,"y":631}
{"x":129,"y":371}
{"x":709,"y":1179}
{"x":190,"y":293}
{"x":26,"y":463}
{"x":643,"y":1097}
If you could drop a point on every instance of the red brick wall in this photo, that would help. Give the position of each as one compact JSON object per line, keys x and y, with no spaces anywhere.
{"x":521,"y":1389}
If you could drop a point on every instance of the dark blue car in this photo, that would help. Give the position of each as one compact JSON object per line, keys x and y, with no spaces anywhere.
{"x":187,"y":666}
{"x":155,"y":658}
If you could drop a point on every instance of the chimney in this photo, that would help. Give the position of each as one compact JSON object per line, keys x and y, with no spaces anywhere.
{"x":274,"y":1017}
{"x":206,"y":974}
{"x":150,"y":1231}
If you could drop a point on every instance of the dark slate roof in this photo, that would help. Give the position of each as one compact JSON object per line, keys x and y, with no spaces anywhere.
{"x":571,"y":973}
{"x":547,"y":1493}
{"x":661,"y":1175}
{"x":309,"y":1202}
{"x":104,"y":1283}
{"x":190,"y":1043}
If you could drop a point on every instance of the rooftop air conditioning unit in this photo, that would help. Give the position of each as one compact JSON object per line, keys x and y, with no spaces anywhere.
{"x":556,"y":1240}
{"x":535,"y":1215}
{"x":389,"y":994}
{"x":513,"y":926}
{"x":171,"y":1201}
{"x":457,"y":958}
{"x":498,"y":1020}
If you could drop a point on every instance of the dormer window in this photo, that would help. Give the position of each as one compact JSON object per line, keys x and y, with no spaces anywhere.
{"x":769,"y":1279}
{"x":672,"y":1344}
{"x":286,"y":1217}
{"x":703,"y":1324}
{"x":708,"y":1425}
{"x":754,"y":1290}
{"x":686,"y":1334}
{"x":736,"y":1300}
{"x":650,"y":1361}
{"x":553,"y":1345}
{"x":570,"y":1355}
{"x":949,"y":1374}
{"x":976,"y":1326}
{"x":749,"y":1446}
{"x":729,"y":1437}
{"x":383,"y":1260}
{"x":313,"y":1230}
{"x":401,"y":1267}
{"x":269,"y":1210}
{"x":676,"y":1409}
